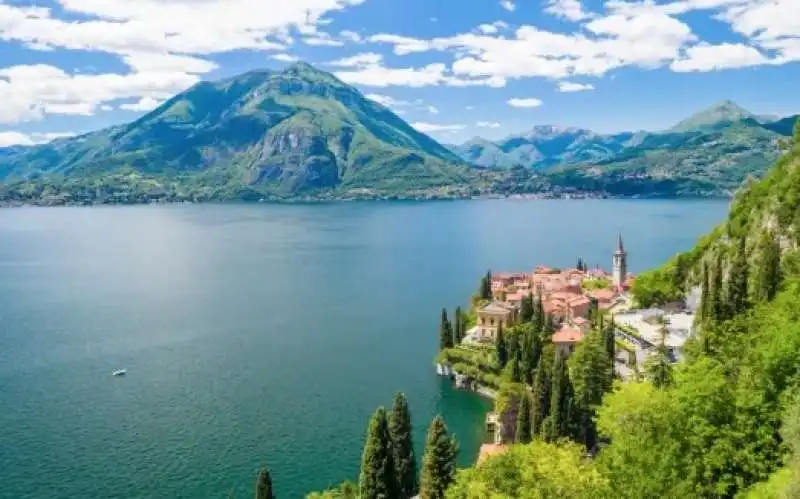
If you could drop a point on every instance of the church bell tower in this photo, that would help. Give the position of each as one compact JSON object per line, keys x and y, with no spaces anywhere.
{"x":619,"y":265}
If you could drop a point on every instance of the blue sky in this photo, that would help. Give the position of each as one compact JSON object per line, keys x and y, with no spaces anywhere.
{"x":452,"y":68}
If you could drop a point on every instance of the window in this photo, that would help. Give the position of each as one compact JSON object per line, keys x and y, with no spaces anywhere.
{"x":491,"y":321}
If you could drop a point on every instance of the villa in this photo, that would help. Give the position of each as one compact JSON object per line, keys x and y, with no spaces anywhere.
{"x":491,"y":316}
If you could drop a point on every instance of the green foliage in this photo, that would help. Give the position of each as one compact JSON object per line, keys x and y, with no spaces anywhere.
{"x":592,"y":373}
{"x":523,"y":432}
{"x":347,"y":490}
{"x":533,"y":471}
{"x":659,"y":286}
{"x":502,"y":348}
{"x":264,"y":485}
{"x":445,"y":332}
{"x":439,"y":462}
{"x":737,"y":295}
{"x":378,"y":479}
{"x":405,"y":462}
{"x":559,"y":423}
{"x":540,"y":398}
{"x":526,"y":309}
{"x":592,"y":284}
{"x":659,"y":367}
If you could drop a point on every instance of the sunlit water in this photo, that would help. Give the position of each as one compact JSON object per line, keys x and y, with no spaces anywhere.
{"x":258,"y":334}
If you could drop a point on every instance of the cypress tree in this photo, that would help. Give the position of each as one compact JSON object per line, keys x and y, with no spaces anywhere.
{"x":445,"y":332}
{"x":737,"y":281}
{"x":439,"y":462}
{"x":540,"y":403}
{"x":717,"y":305}
{"x":556,"y":424}
{"x":264,"y":485}
{"x":486,"y":286}
{"x":768,"y":272}
{"x":705,"y":294}
{"x":524,"y":428}
{"x":659,"y":367}
{"x":378,"y":479}
{"x":458,"y":328}
{"x":591,"y":375}
{"x":538,"y":315}
{"x":502,"y":348}
{"x":516,"y":370}
{"x":526,"y":309}
{"x":609,"y":333}
{"x":405,"y":463}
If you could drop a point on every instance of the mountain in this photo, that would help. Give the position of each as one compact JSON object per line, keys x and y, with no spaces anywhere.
{"x":285,"y":133}
{"x":719,"y":114}
{"x":708,"y":154}
{"x":542,"y":146}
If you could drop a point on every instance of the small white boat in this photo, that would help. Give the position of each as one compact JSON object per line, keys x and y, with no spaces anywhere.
{"x":121,"y":372}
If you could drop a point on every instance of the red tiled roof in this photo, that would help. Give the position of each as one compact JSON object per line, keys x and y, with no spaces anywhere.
{"x":602,"y":294}
{"x":567,"y":335}
{"x":578,"y":301}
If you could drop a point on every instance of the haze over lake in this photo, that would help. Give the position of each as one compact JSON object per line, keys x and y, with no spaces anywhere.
{"x":259,"y":334}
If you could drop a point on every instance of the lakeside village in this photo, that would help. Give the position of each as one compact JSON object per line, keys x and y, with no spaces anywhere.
{"x":514,"y":343}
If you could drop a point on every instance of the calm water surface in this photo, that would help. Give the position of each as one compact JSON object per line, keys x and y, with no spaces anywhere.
{"x":258,"y":334}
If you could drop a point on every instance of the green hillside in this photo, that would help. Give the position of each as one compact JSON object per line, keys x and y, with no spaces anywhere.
{"x":282,"y":134}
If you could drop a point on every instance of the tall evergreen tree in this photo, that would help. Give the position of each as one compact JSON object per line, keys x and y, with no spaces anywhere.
{"x":526,"y":309}
{"x":705,"y":294}
{"x":516,"y":370}
{"x":609,"y":333}
{"x":439,"y":462}
{"x":524,"y":428}
{"x":768,"y":271}
{"x":486,"y":286}
{"x":264,"y":485}
{"x":378,"y":479}
{"x":445,"y":332}
{"x":458,"y":327}
{"x":659,"y":366}
{"x":557,"y":422}
{"x":717,"y":306}
{"x":405,"y":462}
{"x":502,"y":348}
{"x":540,"y":398}
{"x":591,"y":375}
{"x":538,"y":315}
{"x":737,"y":280}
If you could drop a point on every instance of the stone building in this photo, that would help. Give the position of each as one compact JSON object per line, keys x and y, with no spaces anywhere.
{"x":493,"y":315}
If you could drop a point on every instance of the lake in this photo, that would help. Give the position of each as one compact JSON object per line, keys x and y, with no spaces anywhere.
{"x":259,"y":334}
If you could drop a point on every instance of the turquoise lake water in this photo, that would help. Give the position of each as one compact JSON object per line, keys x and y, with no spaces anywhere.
{"x":258,"y":334}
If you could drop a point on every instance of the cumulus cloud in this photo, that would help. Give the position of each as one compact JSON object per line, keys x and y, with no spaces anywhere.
{"x":492,"y":28}
{"x":143,"y":104}
{"x":33,"y":91}
{"x":12,"y":138}
{"x":527,"y":102}
{"x":487,"y":124}
{"x":284,"y":57}
{"x":164,"y":43}
{"x":568,"y":86}
{"x":508,"y":5}
{"x":432,"y":127}
{"x":715,"y":57}
{"x":571,"y":10}
{"x":433,"y":109}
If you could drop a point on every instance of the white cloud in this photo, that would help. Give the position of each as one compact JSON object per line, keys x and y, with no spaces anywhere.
{"x":706,"y":57}
{"x":13,"y":138}
{"x":527,"y":102}
{"x":143,"y":104}
{"x":490,"y":29}
{"x":284,"y":57}
{"x":432,"y":127}
{"x":162,"y":41}
{"x":433,"y":110}
{"x":571,"y":10}
{"x":368,"y":69}
{"x":508,"y":5}
{"x":351,"y":36}
{"x":568,"y":86}
{"x":470,"y":108}
{"x":358,"y":60}
{"x":487,"y":124}
{"x":31,"y":92}
{"x":106,"y":107}
{"x":323,"y":40}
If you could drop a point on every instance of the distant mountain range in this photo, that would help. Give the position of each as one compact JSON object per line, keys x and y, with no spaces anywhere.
{"x":303,"y":134}
{"x":709,"y":153}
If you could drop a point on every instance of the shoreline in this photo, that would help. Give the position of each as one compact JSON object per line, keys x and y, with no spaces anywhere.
{"x":400,"y":199}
